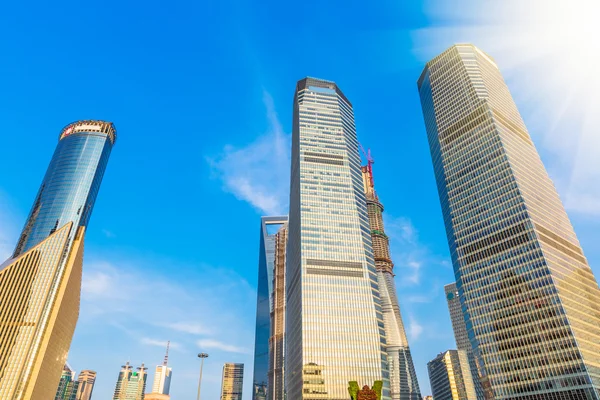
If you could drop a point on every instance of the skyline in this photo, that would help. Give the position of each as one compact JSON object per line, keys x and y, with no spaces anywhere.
{"x":112,"y":245}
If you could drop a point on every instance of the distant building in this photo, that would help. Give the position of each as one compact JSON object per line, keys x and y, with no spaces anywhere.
{"x":162,"y":376}
{"x":403,"y":378}
{"x":233,"y":381}
{"x":427,"y":397}
{"x":157,"y":396}
{"x":462,"y":339}
{"x":86,"y":380}
{"x":67,"y":386}
{"x":269,"y":226}
{"x":450,"y":376}
{"x":131,"y":385}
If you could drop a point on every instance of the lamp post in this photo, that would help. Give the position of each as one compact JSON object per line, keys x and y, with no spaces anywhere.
{"x":201,"y":356}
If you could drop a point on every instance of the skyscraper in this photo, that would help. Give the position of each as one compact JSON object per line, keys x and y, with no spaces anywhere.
{"x":276,"y":389}
{"x":462,"y":338}
{"x":131,"y":385}
{"x":334,"y":321}
{"x":269,"y":226}
{"x":450,"y":376}
{"x":86,"y":380}
{"x":232,"y":382}
{"x":162,"y":376}
{"x":403,"y":378}
{"x":530,"y":301}
{"x":67,"y":385}
{"x":40,"y":285}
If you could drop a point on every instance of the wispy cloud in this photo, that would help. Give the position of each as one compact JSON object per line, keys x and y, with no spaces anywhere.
{"x":192,"y":328}
{"x":259,"y":172}
{"x":108,"y":234}
{"x":215,"y":344}
{"x":542,"y":48}
{"x":415,"y":329}
{"x":410,"y":255}
{"x":160,"y":343}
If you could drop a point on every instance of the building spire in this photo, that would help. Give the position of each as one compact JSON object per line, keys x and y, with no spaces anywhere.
{"x":165,"y":362}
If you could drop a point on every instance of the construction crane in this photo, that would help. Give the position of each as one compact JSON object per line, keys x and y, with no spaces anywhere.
{"x":370,"y":163}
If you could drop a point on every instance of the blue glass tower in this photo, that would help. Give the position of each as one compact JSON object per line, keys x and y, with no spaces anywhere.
{"x":40,"y":285}
{"x":71,"y":184}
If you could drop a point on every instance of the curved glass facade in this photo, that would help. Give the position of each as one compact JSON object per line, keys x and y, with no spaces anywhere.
{"x":71,"y":183}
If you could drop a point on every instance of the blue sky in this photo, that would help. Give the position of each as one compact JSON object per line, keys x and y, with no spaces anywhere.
{"x":201,"y":94}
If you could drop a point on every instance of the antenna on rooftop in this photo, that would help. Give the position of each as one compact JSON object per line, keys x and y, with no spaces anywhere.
{"x":167,"y":354}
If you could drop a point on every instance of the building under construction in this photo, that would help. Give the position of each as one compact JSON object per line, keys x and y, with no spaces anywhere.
{"x":403,"y":379}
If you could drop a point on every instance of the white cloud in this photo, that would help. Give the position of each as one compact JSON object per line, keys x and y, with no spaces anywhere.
{"x":415,"y":329}
{"x":204,"y":344}
{"x":548,"y":56}
{"x":259,"y":172}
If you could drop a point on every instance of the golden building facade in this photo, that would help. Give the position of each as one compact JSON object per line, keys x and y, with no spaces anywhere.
{"x":450,"y":376}
{"x":530,"y":301}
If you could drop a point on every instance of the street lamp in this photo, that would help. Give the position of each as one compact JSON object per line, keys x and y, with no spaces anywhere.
{"x":201,"y":356}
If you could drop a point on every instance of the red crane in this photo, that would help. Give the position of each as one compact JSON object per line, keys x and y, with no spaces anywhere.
{"x":370,"y":163}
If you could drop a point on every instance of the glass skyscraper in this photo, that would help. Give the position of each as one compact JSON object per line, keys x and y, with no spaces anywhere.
{"x":334,"y":320}
{"x":41,"y":284}
{"x":530,"y":301}
{"x":403,"y":378}
{"x":269,"y":226}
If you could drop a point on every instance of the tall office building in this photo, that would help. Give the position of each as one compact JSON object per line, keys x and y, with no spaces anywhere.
{"x":162,"y":376}
{"x":232,"y":382}
{"x":403,"y":378}
{"x":41,"y":284}
{"x":67,"y":385}
{"x":334,"y":321}
{"x":462,"y":340}
{"x":529,"y":298}
{"x":86,"y":380}
{"x":450,"y":376}
{"x":131,"y":385}
{"x":276,"y":389}
{"x":269,"y":226}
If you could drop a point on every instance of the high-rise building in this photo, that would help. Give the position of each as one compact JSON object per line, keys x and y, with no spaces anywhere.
{"x":276,"y":389}
{"x":41,"y":284}
{"x":86,"y":380}
{"x":162,"y":376}
{"x":131,"y":385}
{"x":269,"y":226}
{"x":530,"y":301}
{"x":67,"y":385}
{"x":403,"y":378}
{"x":450,"y":376}
{"x":462,"y":340}
{"x":427,"y":397}
{"x":232,"y":382}
{"x":334,"y":322}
